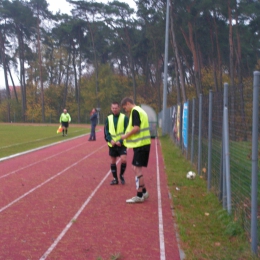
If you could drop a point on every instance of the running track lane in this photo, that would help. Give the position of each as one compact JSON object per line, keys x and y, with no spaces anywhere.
{"x":56,"y":203}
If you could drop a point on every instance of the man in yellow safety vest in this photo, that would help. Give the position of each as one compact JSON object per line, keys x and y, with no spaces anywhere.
{"x":115,"y":126}
{"x":138,"y":137}
{"x":65,"y":120}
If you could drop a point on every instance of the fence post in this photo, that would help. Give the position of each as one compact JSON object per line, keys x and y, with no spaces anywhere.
{"x":192,"y":131}
{"x":254,"y":163}
{"x":227,"y":159}
{"x":209,"y":139}
{"x":223,"y":186}
{"x":200,"y":130}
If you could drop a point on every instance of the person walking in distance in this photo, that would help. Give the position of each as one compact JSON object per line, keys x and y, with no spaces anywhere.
{"x":115,"y":126}
{"x":65,"y":119}
{"x":138,"y":137}
{"x":93,"y":120}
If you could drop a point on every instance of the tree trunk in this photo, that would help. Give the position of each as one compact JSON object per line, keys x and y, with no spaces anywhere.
{"x":240,"y":79}
{"x":231,"y":72}
{"x":213,"y":54}
{"x":191,"y":45}
{"x":131,"y":65}
{"x":2,"y":46}
{"x":22,"y":73}
{"x":176,"y":51}
{"x":14,"y":88}
{"x":178,"y":82}
{"x":40,"y":65}
{"x":60,"y":66}
{"x":75,"y":78}
{"x":67,"y":82}
{"x":219,"y":67}
{"x":96,"y":64}
{"x":79,"y":85}
{"x":231,"y":47}
{"x":133,"y":74}
{"x":195,"y":59}
{"x":238,"y":52}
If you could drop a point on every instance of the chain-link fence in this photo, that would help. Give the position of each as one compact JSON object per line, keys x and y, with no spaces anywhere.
{"x":218,"y":135}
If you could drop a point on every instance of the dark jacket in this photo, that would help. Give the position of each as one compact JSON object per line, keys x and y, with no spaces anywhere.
{"x":93,"y":119}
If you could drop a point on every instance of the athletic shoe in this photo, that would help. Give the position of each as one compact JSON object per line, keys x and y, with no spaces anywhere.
{"x":135,"y":199}
{"x":146,"y":195}
{"x":114,"y":182}
{"x":122,"y":179}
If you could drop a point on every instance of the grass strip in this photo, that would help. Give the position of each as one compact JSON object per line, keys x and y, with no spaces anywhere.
{"x":206,"y":230}
{"x":16,"y":138}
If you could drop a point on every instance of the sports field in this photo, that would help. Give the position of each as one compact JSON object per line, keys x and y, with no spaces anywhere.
{"x":17,"y":138}
{"x":56,"y":203}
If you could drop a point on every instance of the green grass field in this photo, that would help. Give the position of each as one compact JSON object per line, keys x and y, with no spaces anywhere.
{"x":16,"y":138}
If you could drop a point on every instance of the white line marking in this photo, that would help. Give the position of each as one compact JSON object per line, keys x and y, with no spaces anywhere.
{"x":160,"y":215}
{"x":64,"y":231}
{"x":47,"y":158}
{"x":48,"y":180}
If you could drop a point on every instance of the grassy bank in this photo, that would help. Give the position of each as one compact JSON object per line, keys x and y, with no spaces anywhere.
{"x":206,"y":230}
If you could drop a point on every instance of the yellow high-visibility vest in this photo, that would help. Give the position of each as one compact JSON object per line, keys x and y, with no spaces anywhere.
{"x":143,"y":137}
{"x":116,"y":134}
{"x":65,"y":117}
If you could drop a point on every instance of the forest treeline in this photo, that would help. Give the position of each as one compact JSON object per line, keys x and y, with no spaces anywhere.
{"x":103,"y":52}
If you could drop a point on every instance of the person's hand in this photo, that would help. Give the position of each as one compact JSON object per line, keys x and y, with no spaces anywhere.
{"x":118,"y":143}
{"x":113,"y":142}
{"x":123,"y":137}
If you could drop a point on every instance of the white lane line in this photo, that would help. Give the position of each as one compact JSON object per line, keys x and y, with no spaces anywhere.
{"x":160,"y":215}
{"x":64,"y":231}
{"x":39,"y":148}
{"x":48,"y":180}
{"x":47,"y":158}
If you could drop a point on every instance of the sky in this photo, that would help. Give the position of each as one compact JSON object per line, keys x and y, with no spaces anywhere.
{"x":64,"y":7}
{"x":55,"y":6}
{"x":59,"y":5}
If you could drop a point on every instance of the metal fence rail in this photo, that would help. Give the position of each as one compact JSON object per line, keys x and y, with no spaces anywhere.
{"x":223,"y":146}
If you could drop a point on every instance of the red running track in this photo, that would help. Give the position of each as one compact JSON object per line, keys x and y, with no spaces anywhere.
{"x":57,"y":203}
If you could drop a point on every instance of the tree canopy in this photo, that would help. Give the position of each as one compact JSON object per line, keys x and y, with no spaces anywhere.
{"x":102,"y":52}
